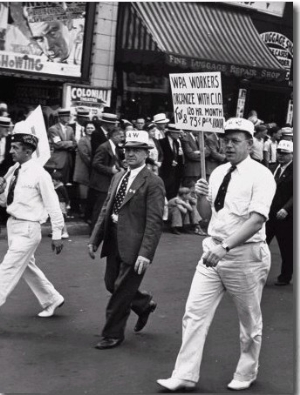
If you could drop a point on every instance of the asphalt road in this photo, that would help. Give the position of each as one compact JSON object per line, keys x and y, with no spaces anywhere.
{"x":57,"y":355}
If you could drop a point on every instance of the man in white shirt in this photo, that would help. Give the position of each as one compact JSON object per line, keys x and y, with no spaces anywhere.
{"x":161,"y":122}
{"x":130,"y":226}
{"x":235,"y":258}
{"x":258,"y":143}
{"x":270,"y":148}
{"x":29,"y":195}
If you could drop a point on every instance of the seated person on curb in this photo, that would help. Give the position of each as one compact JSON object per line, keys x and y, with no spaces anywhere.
{"x":183,"y":212}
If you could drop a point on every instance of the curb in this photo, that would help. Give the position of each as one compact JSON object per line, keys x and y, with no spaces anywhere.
{"x":74,"y":228}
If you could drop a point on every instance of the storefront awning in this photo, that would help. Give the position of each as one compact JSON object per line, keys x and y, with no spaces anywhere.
{"x":198,"y":37}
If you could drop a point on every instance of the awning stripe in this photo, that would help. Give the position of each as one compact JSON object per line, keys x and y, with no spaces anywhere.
{"x":219,"y":35}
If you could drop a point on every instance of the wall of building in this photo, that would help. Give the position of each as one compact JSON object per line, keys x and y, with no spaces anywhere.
{"x":104,"y":42}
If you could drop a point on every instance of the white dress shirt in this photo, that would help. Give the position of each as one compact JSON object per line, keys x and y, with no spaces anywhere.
{"x":251,"y":189}
{"x":34,"y":196}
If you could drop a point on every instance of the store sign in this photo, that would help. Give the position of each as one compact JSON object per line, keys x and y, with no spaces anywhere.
{"x":42,"y":37}
{"x":281,"y":47}
{"x":90,"y":97}
{"x":271,"y":7}
{"x":227,"y":69}
{"x":198,"y":101}
{"x":135,"y":82}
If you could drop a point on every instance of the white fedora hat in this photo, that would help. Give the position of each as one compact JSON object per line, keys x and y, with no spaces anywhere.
{"x":160,"y":118}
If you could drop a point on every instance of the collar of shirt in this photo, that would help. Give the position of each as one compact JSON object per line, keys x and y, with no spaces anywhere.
{"x":282,"y":168}
{"x":113,"y":146}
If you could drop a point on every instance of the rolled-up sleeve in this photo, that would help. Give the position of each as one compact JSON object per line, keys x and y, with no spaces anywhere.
{"x":264,"y":188}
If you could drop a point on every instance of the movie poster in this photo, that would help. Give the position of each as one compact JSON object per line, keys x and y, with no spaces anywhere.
{"x":42,"y":37}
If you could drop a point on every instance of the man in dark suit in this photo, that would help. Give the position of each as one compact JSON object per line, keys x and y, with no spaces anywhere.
{"x":103,"y":126}
{"x":192,"y":168}
{"x":214,"y":152}
{"x":6,"y":160}
{"x":171,"y":170}
{"x":130,"y":226}
{"x":62,"y":139}
{"x":280,"y":222}
{"x":105,"y":164}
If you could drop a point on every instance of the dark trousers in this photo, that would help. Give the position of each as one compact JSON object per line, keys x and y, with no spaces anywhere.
{"x":100,"y":199}
{"x":123,"y":283}
{"x":283,"y":231}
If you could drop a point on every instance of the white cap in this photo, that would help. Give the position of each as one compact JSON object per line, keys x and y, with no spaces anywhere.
{"x":137,"y":139}
{"x":285,"y":145}
{"x":239,"y":125}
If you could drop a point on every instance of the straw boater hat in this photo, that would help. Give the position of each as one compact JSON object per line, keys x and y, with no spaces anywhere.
{"x":64,"y":112}
{"x":82,"y":112}
{"x":160,"y":118}
{"x":137,"y":139}
{"x":285,"y":146}
{"x":5,"y":122}
{"x":172,"y":128}
{"x":108,"y":118}
{"x":287,"y":131}
{"x":239,"y":125}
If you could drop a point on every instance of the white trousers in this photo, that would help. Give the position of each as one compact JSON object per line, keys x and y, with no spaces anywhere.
{"x":243,"y":273}
{"x":23,"y":239}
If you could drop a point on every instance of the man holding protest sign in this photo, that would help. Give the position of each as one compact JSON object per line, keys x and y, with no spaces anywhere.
{"x":235,"y":258}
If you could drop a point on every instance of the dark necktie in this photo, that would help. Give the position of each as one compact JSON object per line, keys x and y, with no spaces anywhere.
{"x":219,"y":202}
{"x":121,"y":194}
{"x":277,"y":175}
{"x":11,"y":190}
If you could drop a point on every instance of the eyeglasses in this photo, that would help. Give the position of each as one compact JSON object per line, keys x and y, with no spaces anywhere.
{"x":233,"y":141}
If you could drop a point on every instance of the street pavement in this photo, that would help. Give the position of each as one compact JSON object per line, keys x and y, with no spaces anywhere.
{"x":57,"y":355}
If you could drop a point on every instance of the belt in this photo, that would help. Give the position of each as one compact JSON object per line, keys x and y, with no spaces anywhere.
{"x":218,"y":241}
{"x":20,"y":219}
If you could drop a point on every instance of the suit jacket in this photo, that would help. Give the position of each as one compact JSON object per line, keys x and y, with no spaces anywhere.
{"x":101,"y":172}
{"x":215,"y":152}
{"x":192,"y":166}
{"x":98,"y":138}
{"x":62,"y":144}
{"x":168,"y":156}
{"x":83,"y":161}
{"x":283,"y":197}
{"x":140,"y":218}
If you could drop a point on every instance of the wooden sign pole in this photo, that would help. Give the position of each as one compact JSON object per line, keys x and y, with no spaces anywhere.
{"x":202,"y":154}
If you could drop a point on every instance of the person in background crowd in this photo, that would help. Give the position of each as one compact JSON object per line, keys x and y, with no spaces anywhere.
{"x":235,"y":259}
{"x":28,"y":192}
{"x":171,"y":170}
{"x":63,"y":141}
{"x":253,"y":117}
{"x":105,"y":164}
{"x":156,"y":152}
{"x":63,"y":198}
{"x":183,"y":213}
{"x":270,"y":148}
{"x":82,"y":117}
{"x":82,"y":165}
{"x":161,"y":122}
{"x":258,"y":143}
{"x":140,"y":124}
{"x":287,"y":133}
{"x":214,"y":153}
{"x":280,"y":223}
{"x":192,"y":168}
{"x":106,"y":123}
{"x":130,"y":226}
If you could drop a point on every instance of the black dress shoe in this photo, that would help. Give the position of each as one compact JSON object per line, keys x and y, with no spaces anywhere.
{"x":280,"y":282}
{"x":108,"y":342}
{"x":143,"y":318}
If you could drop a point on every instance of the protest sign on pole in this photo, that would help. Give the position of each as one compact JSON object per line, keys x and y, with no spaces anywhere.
{"x":36,"y":123}
{"x":198,"y":105}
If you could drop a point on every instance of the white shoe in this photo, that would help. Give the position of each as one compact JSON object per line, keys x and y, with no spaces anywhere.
{"x":238,"y":385}
{"x":173,"y":384}
{"x":49,"y":311}
{"x":65,"y":235}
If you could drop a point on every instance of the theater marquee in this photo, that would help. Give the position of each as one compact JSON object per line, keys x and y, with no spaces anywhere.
{"x":42,"y":38}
